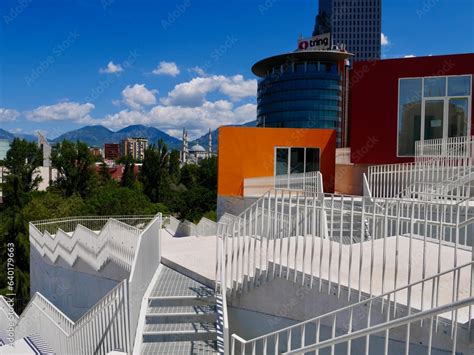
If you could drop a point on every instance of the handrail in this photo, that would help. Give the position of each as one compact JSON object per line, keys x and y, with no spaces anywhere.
{"x":102,"y":246}
{"x":75,"y":338}
{"x":386,"y":326}
{"x":111,"y":323}
{"x":373,"y":299}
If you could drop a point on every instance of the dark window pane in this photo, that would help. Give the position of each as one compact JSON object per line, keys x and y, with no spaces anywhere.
{"x":434,"y":119}
{"x":458,"y":117}
{"x":281,"y":161}
{"x":297,"y":161}
{"x":312,"y":159}
{"x":409,"y":121}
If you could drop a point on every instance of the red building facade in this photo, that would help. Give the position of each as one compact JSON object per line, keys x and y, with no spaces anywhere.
{"x":394,"y":102}
{"x":111,"y":151}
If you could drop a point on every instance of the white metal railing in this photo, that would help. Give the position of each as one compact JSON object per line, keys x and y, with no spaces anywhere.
{"x":286,"y":229}
{"x":456,"y":341}
{"x":102,"y":329}
{"x":450,"y":148}
{"x":178,"y":228}
{"x":111,"y":324}
{"x":115,"y":241}
{"x":443,"y":169}
{"x":146,"y":260}
{"x":95,"y":223}
{"x":310,"y":182}
{"x":406,"y":300}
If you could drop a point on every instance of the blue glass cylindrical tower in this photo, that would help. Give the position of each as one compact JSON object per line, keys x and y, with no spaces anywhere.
{"x":301,"y":90}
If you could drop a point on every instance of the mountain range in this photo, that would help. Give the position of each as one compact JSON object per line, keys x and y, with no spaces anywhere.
{"x":10,"y":136}
{"x":97,"y":136}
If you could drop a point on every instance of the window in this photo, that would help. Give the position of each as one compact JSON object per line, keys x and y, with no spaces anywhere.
{"x":432,"y":107}
{"x":294,"y":160}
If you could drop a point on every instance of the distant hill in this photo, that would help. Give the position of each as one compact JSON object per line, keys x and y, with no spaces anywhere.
{"x":99,"y":135}
{"x":10,"y":136}
{"x":203,"y":139}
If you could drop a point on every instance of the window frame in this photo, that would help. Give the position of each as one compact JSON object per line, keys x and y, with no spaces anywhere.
{"x":289,"y":158}
{"x":445,"y":99}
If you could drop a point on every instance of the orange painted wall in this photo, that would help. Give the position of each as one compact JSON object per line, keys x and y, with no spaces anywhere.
{"x":246,"y":152}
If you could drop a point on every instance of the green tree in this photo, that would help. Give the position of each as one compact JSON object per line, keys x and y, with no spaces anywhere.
{"x":76,"y":168}
{"x":155,"y":172}
{"x":128,"y":176}
{"x":174,"y":171}
{"x":104,"y":174}
{"x":21,"y":162}
{"x":189,"y":175}
{"x":112,"y":199}
{"x":22,"y":159}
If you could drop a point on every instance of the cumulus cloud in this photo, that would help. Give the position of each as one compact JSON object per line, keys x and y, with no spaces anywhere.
{"x":72,"y":111}
{"x":197,"y":120}
{"x":166,"y":68}
{"x":8,"y":115}
{"x":111,"y":68}
{"x":384,"y":40}
{"x":193,"y":93}
{"x":197,"y":70}
{"x":138,"y":95}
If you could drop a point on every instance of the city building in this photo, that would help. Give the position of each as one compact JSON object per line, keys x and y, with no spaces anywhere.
{"x":197,"y":152}
{"x":422,"y":98}
{"x":356,"y":24}
{"x":4,"y":147}
{"x":305,"y":88}
{"x":250,"y":160}
{"x":95,"y":151}
{"x":134,"y":147}
{"x":111,"y":151}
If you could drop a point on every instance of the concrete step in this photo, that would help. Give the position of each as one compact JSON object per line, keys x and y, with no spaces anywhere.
{"x":181,"y":314}
{"x":180,"y":348}
{"x":191,"y":331}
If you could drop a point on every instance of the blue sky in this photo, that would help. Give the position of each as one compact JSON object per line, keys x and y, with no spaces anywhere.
{"x":173,"y":64}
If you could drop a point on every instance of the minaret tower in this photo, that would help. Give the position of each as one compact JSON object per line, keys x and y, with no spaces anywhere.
{"x":209,"y":144}
{"x":184,"y":147}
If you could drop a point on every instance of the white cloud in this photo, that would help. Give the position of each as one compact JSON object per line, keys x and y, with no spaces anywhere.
{"x":197,"y":70}
{"x":138,"y":95}
{"x":8,"y":115}
{"x":409,"y":56}
{"x":62,"y":111}
{"x":197,"y":120}
{"x":166,"y":68}
{"x":384,"y":40}
{"x":193,"y":93}
{"x":111,"y":68}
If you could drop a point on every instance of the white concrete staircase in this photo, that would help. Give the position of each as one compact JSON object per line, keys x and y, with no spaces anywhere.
{"x":181,"y":317}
